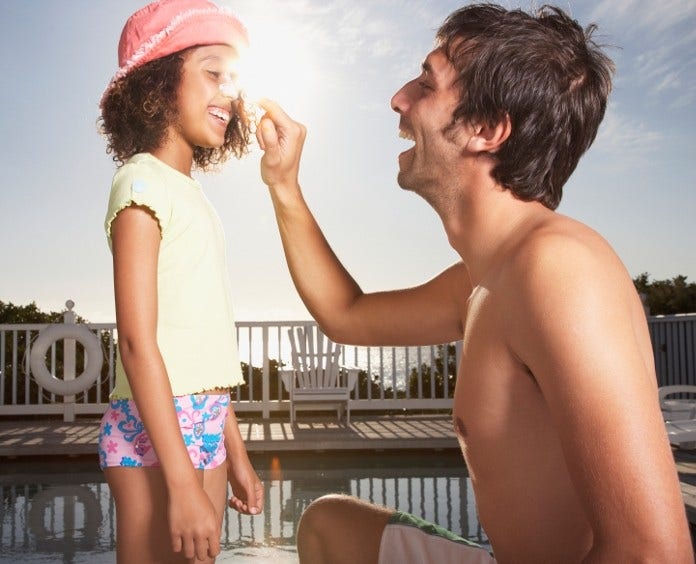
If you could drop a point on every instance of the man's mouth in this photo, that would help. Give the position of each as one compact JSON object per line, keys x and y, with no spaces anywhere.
{"x":218,"y":113}
{"x":406,"y":135}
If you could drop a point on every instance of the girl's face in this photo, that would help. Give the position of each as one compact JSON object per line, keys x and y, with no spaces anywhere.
{"x":203,"y":111}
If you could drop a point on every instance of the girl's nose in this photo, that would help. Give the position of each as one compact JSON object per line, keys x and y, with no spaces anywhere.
{"x":230,"y":90}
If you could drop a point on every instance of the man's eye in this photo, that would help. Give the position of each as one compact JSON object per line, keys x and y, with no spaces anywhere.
{"x":424,"y":85}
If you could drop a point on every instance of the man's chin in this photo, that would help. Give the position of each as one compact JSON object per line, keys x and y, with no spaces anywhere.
{"x":402,"y":180}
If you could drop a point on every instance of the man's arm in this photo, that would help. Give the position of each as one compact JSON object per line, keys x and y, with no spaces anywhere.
{"x":428,"y":314}
{"x":579,"y":327}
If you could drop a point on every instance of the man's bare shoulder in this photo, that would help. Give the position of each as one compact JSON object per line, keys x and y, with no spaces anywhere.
{"x":560,"y":245}
{"x":565,"y":264}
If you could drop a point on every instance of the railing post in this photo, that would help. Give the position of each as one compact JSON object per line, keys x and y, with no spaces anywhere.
{"x":69,"y":364}
{"x":265,"y":380}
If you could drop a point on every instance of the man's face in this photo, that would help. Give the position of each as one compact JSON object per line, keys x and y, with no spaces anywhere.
{"x":425,"y":106}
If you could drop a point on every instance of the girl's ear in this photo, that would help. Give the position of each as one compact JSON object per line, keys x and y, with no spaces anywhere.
{"x":489,"y":138}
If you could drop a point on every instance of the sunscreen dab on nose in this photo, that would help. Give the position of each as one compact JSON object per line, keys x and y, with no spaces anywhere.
{"x":253,"y":110}
{"x":230,"y":90}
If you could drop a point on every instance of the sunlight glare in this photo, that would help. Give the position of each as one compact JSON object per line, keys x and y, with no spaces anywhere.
{"x":279,"y":64}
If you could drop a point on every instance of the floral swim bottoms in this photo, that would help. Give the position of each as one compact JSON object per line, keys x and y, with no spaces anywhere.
{"x":123,"y":440}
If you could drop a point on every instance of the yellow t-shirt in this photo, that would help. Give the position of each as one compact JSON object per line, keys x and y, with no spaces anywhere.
{"x":195,"y":326}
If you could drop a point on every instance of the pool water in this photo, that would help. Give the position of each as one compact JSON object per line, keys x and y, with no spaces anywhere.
{"x":62,"y":511}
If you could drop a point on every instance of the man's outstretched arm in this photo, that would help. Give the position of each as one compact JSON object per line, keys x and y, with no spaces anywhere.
{"x":431,"y":313}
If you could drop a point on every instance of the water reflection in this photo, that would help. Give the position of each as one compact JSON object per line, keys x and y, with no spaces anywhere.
{"x":63,"y":512}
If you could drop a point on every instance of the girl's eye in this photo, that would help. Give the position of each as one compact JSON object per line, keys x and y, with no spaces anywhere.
{"x":215,"y":74}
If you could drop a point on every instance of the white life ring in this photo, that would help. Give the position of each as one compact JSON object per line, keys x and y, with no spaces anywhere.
{"x":58,"y":332}
{"x":72,"y":495}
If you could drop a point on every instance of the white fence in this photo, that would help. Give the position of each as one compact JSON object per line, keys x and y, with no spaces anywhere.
{"x":49,"y":369}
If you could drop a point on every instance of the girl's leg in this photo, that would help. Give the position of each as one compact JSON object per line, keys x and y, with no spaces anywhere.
{"x":215,"y":485}
{"x":141,"y":512}
{"x":142,"y":527}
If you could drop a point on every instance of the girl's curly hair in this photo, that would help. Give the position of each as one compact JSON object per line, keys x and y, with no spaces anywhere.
{"x":138,"y":108}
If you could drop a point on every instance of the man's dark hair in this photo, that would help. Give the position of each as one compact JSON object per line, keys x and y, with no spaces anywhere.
{"x":543,"y":71}
{"x":139,"y":107}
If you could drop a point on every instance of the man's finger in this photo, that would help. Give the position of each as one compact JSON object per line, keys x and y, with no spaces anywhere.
{"x":274,"y":111}
{"x":268,"y":139}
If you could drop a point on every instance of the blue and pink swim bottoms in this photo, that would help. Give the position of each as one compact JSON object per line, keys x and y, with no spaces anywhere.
{"x":123,"y":440}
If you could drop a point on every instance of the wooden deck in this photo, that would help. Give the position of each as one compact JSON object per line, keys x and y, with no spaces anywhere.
{"x":385,"y":433}
{"x":53,"y":437}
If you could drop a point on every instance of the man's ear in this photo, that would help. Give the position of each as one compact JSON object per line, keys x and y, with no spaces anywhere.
{"x":488,"y":138}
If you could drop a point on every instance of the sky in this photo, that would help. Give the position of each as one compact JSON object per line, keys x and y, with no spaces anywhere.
{"x":333,"y":65}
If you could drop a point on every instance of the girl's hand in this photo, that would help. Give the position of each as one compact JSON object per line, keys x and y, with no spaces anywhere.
{"x":247,"y":489}
{"x":193,"y":523}
{"x":281,"y":139}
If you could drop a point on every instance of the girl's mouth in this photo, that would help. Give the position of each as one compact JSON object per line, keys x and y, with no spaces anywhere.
{"x":221,"y":115}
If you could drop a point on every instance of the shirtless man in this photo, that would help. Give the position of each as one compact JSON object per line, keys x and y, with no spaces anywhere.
{"x":556,"y":405}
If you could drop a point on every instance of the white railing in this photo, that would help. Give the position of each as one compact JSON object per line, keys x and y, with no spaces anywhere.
{"x":48,"y":369}
{"x":391,"y":378}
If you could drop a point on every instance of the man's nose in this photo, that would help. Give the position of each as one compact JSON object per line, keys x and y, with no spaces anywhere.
{"x":399,"y":101}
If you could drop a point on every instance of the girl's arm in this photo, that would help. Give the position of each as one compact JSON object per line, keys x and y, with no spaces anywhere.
{"x":135,"y":241}
{"x":247,"y":489}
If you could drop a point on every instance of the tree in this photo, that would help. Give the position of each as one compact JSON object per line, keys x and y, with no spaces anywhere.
{"x":10,"y":313}
{"x":667,"y":297}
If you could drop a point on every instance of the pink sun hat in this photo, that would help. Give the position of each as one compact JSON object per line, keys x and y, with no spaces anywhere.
{"x":167,"y":26}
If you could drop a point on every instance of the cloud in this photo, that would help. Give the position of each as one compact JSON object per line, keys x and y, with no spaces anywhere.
{"x":659,"y":45}
{"x":626,"y":139}
{"x":645,"y":14}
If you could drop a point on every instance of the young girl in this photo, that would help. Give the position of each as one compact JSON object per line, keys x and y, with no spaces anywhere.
{"x":169,"y":441}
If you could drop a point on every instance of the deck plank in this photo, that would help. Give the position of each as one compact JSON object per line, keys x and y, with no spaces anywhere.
{"x":50,"y":438}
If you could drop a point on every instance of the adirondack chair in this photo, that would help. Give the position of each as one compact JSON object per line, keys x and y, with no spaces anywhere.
{"x":316,"y":380}
{"x":679,"y":415}
{"x":677,"y":409}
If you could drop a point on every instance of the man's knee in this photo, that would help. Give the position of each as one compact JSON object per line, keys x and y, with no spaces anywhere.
{"x":320,"y":515}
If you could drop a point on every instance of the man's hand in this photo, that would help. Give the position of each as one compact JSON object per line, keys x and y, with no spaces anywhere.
{"x":281,"y":139}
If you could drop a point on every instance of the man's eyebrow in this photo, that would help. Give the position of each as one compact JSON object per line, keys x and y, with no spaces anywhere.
{"x":427,"y":68}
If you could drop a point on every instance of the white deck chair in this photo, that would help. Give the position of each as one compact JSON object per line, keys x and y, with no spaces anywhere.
{"x":682,"y":433}
{"x":679,"y":415}
{"x":316,"y":380}
{"x":677,"y":409}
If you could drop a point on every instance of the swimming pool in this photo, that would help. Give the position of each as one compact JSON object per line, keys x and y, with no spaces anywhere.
{"x":63,"y":511}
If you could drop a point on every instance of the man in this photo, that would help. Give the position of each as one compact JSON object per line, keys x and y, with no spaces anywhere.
{"x":556,"y":406}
